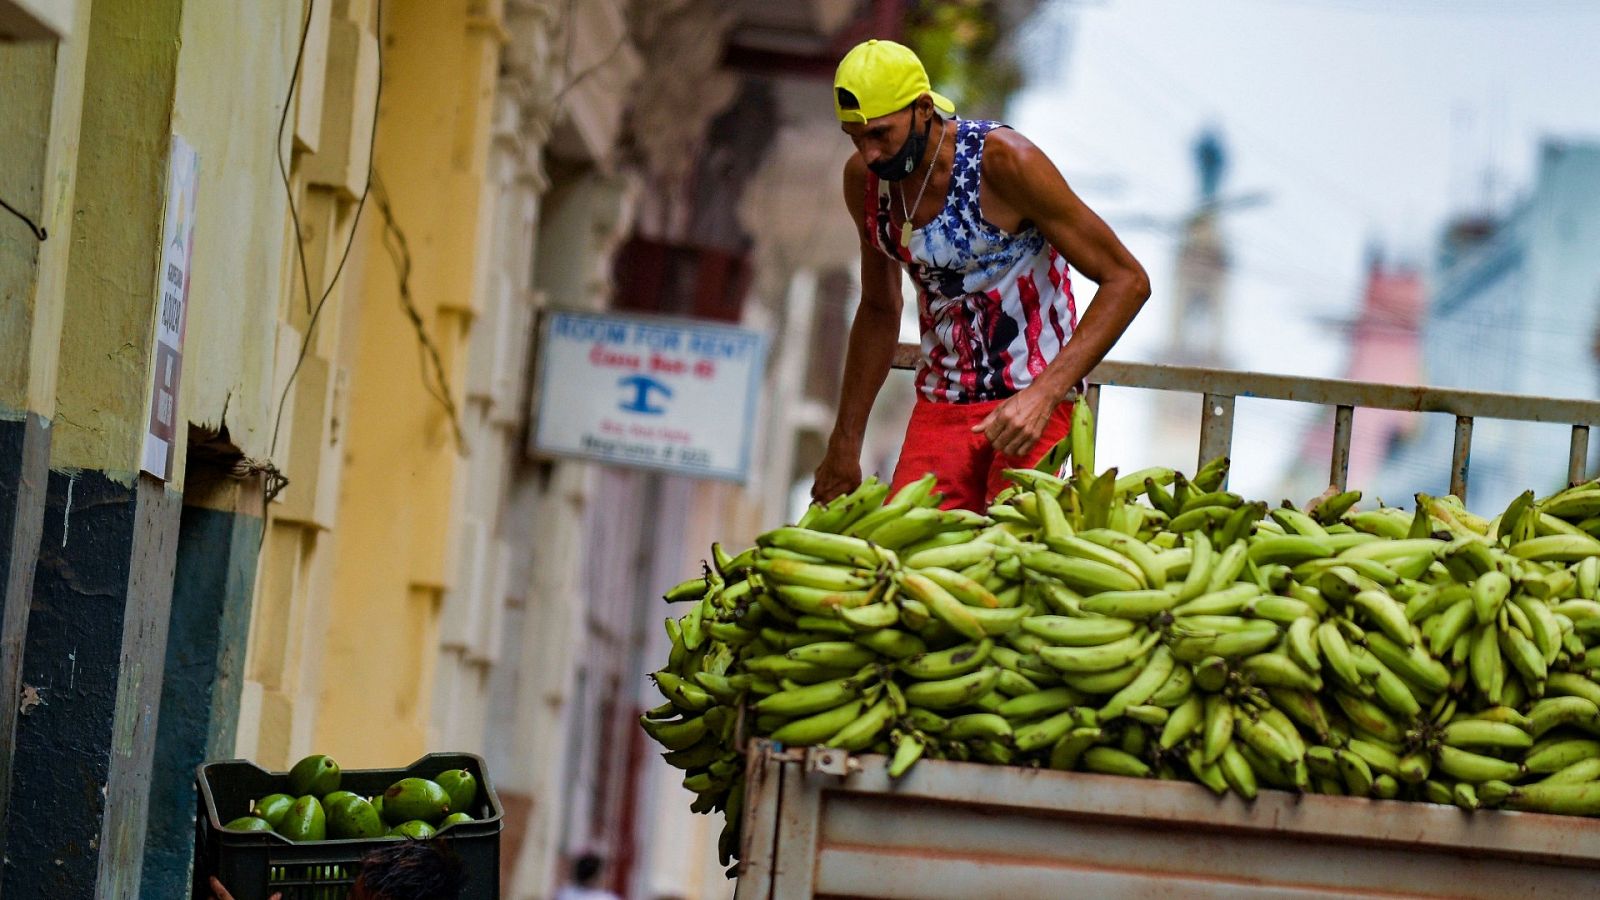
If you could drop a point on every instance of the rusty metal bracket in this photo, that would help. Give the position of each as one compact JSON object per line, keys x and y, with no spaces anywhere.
{"x":1216,"y":428}
{"x":1578,"y":457}
{"x":1339,"y":467}
{"x":829,"y":761}
{"x":1461,"y":457}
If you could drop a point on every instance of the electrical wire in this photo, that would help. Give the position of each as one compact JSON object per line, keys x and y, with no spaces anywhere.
{"x":394,"y":241}
{"x":1175,"y":112}
{"x":1329,"y":186}
{"x":283,"y":167}
{"x":38,"y":231}
{"x":1450,"y":8}
{"x":1305,"y":282}
{"x":299,"y":239}
{"x":1136,"y":66}
{"x":569,"y":80}
{"x":592,"y":68}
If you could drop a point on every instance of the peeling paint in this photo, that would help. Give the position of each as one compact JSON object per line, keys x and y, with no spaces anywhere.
{"x":125,"y":725}
{"x":66,"y":517}
{"x":30,"y":699}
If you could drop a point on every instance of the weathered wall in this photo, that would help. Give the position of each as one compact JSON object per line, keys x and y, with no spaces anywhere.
{"x":310,"y":338}
{"x":93,"y":649}
{"x":402,"y":462}
{"x":233,"y":73}
{"x":232,"y":77}
{"x":42,"y":104}
{"x":108,"y":330}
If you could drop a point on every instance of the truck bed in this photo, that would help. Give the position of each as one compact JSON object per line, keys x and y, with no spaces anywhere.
{"x":821,"y":823}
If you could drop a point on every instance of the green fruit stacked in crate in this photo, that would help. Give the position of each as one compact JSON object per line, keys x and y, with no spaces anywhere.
{"x":315,"y":809}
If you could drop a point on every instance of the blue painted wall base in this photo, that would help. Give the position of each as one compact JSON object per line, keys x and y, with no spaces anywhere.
{"x":91,"y":673}
{"x":209,"y":627}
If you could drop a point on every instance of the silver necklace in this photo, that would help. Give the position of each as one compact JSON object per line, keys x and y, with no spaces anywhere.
{"x":905,"y":230}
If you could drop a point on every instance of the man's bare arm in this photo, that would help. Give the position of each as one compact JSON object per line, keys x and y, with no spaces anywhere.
{"x":1025,"y":179}
{"x":873,"y":337}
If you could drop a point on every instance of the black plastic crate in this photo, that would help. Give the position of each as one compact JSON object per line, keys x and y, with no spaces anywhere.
{"x":254,"y":865}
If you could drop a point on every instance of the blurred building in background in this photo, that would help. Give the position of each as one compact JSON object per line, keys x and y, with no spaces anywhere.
{"x":1515,"y":308}
{"x":349,"y":545}
{"x":1384,"y":346}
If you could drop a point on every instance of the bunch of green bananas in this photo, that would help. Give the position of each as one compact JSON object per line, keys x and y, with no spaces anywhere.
{"x":1153,"y":625}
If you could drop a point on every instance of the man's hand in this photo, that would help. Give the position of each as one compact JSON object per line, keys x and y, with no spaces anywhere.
{"x":1016,"y":425}
{"x":218,"y":892}
{"x":839,"y":474}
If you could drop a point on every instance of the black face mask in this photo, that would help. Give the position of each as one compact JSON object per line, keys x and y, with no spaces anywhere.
{"x":909,"y":156}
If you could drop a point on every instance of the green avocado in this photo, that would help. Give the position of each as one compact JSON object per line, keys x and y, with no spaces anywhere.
{"x":461,"y":786}
{"x":329,"y":801}
{"x":415,"y":798}
{"x":416,"y":828}
{"x":305,"y":821}
{"x":249,"y":823}
{"x":454,"y":819}
{"x":316,"y":774}
{"x":377,"y":805}
{"x":272,"y":808}
{"x":354,"y":818}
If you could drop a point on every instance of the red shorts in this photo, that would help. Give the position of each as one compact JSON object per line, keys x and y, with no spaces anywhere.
{"x":940,"y":439}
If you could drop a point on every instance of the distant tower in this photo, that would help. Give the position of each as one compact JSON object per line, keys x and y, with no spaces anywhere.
{"x":1199,"y":301}
{"x":1200,"y":298}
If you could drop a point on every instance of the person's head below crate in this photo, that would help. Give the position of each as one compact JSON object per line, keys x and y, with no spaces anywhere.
{"x":585,"y":884}
{"x":410,"y":870}
{"x":586,"y":870}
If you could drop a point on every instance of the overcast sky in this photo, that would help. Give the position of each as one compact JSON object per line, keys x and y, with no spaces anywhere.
{"x":1361,"y":120}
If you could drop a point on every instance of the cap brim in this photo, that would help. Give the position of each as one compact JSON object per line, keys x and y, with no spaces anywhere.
{"x":942,"y":103}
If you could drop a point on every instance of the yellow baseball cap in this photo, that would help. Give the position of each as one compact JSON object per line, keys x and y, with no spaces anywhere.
{"x":880,"y":77}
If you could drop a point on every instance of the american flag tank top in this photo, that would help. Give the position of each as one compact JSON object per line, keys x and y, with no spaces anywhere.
{"x":994,"y":306}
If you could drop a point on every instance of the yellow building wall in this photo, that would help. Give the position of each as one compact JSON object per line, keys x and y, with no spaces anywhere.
{"x":108,"y":329}
{"x":44,"y":87}
{"x":233,"y":75}
{"x":395,"y":515}
{"x":309,"y":337}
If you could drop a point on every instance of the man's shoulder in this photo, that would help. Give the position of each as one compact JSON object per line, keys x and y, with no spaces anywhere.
{"x":1008,"y":156}
{"x":1006,"y":146}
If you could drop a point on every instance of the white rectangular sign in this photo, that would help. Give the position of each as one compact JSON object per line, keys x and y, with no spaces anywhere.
{"x":653,"y":393}
{"x":172,"y":309}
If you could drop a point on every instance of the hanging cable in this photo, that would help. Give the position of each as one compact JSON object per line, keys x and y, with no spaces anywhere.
{"x":283,"y":167}
{"x":299,"y":241}
{"x":394,"y":241}
{"x":38,"y":231}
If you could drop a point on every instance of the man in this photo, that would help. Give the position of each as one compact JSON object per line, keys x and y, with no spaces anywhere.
{"x":989,"y":231}
{"x":406,"y":870}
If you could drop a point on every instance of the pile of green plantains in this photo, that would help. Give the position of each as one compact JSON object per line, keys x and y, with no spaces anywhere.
{"x":1155,"y":626}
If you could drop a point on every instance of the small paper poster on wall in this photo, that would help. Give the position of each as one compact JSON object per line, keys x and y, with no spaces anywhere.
{"x":172,"y":306}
